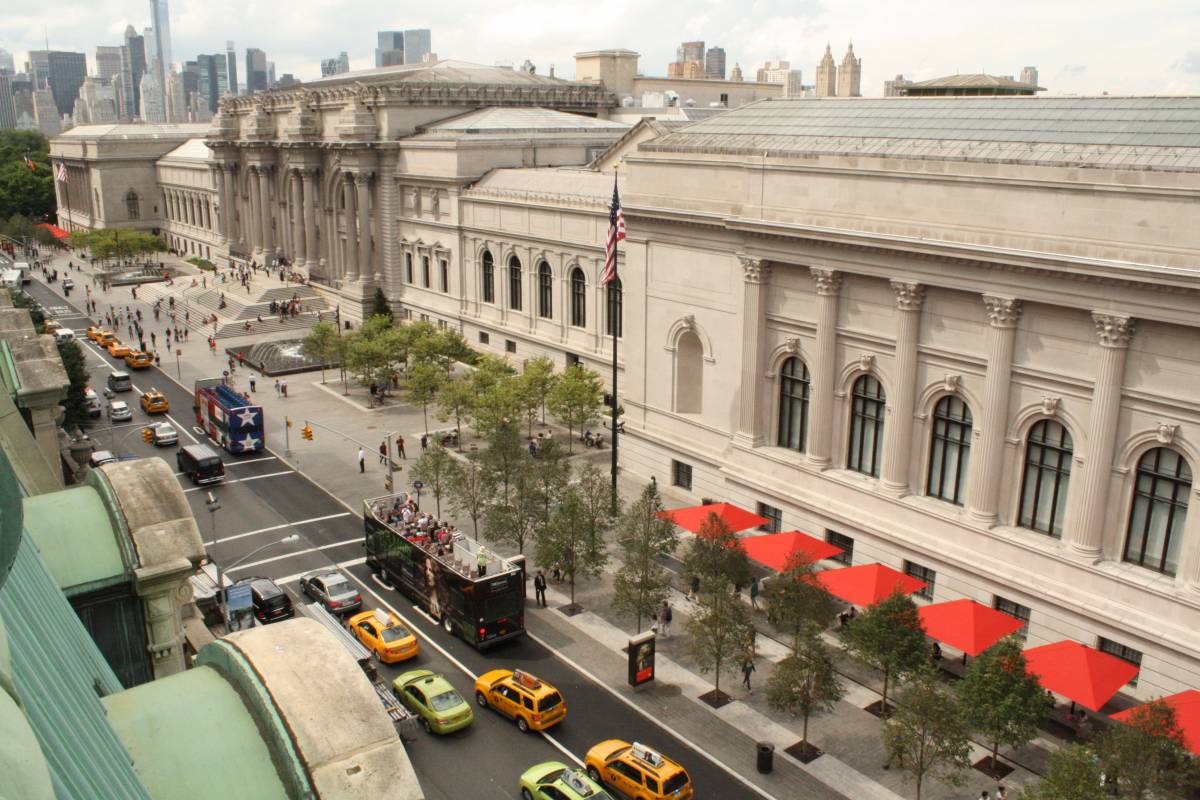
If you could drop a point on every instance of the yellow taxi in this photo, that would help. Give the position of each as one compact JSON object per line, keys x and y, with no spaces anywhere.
{"x":384,"y":635}
{"x":118,"y":349}
{"x":533,"y":704}
{"x":94,"y":331}
{"x":637,"y":771}
{"x":153,"y":402}
{"x":105,"y":338}
{"x":139,"y":359}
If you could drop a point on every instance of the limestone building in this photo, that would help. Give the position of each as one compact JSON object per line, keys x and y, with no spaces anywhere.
{"x":849,"y":77}
{"x":827,"y":81}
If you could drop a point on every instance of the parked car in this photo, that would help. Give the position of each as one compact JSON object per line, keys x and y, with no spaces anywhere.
{"x":271,"y":602}
{"x":101,"y":457}
{"x":119,"y":411}
{"x":331,"y":589}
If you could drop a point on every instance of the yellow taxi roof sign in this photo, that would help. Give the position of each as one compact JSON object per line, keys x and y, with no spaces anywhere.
{"x":526,"y":680}
{"x":643,"y":753}
{"x":382,"y":617}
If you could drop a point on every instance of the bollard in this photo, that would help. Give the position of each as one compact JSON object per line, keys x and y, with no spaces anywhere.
{"x":766,"y":757}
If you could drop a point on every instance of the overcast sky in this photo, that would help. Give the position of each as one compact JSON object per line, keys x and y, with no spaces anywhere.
{"x":1079,"y":46}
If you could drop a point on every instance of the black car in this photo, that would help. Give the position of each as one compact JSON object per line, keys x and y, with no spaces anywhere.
{"x":331,"y":589}
{"x":271,"y":602}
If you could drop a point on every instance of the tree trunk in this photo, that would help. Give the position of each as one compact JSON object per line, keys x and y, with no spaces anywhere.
{"x":995,"y":755}
{"x":425,"y":414}
{"x":804,"y":732}
{"x":717,"y":678}
{"x":883,"y":704}
{"x":572,"y":575}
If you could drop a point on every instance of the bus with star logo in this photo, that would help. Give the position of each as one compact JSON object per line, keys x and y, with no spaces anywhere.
{"x":229,"y":418}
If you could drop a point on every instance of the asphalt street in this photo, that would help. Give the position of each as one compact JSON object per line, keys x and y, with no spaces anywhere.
{"x":262,"y":500}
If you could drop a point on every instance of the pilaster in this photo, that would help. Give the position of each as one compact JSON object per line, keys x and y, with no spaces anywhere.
{"x":266,"y":207}
{"x":255,"y":217}
{"x":829,"y":286}
{"x":984,"y":483}
{"x":756,"y":273}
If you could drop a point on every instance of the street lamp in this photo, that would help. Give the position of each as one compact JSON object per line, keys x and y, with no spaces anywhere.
{"x":221,"y":581}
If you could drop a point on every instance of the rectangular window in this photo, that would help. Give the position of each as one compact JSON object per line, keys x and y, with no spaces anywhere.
{"x":484,"y":338}
{"x":774,"y":518}
{"x":843,"y":541}
{"x":510,"y":346}
{"x":408,"y":272}
{"x":1013,"y":609}
{"x":445,"y":268}
{"x":572,"y":359}
{"x":425,"y":271}
{"x":914,"y":570}
{"x":424,"y":318}
{"x":681,"y":475}
{"x":442,"y":324}
{"x":1127,"y":654}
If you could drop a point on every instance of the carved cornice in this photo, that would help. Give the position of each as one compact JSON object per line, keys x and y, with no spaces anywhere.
{"x":829,"y":281}
{"x":755,"y":270}
{"x":1113,"y":330}
{"x":545,"y":198}
{"x":909,"y":296}
{"x":1003,"y":312}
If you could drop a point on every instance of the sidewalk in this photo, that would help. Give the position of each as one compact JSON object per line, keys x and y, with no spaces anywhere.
{"x":593,"y":640}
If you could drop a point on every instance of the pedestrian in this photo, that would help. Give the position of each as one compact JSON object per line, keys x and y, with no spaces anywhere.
{"x":277,"y":387}
{"x":754,"y":594}
{"x":252,"y":379}
{"x":400,"y":447}
{"x":1001,"y":792}
{"x":362,"y":460}
{"x":694,"y":588}
{"x":424,"y":442}
{"x":539,"y":587}
{"x":747,"y":671}
{"x":383,"y":452}
{"x":984,"y":795}
{"x":665,"y":617}
{"x":283,"y":388}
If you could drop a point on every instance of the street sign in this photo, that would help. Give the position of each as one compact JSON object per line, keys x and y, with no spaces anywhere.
{"x":418,"y":485}
{"x":239,"y":604}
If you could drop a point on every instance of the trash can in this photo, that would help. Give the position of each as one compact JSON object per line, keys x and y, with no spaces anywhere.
{"x":766,"y":757}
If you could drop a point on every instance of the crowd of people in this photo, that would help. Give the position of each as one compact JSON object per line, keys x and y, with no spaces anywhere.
{"x":419,"y":527}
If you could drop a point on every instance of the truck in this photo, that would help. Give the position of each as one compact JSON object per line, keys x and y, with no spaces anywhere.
{"x":228,"y":418}
{"x":12,"y":278}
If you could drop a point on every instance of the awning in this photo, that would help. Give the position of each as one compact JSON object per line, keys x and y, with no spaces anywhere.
{"x":775,"y":550}
{"x":966,"y":625}
{"x":867,"y":584}
{"x":1187,"y":714}
{"x":1079,"y":673}
{"x":55,"y":231}
{"x":691,"y":518}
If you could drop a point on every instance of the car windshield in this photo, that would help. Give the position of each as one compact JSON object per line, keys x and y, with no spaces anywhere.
{"x":338,"y":587}
{"x":675,"y":782}
{"x":393,"y":634}
{"x":445,"y":701}
{"x":166,"y":430}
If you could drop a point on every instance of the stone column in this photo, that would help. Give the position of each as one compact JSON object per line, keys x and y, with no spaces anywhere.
{"x":308,"y":178}
{"x":757,"y":274}
{"x":983,"y":487}
{"x":222,"y":205}
{"x":297,"y":217}
{"x":254,"y":220}
{"x":351,"y":221}
{"x":266,"y":209}
{"x":820,"y":431}
{"x":902,"y":402}
{"x":363,"y":182}
{"x":1113,"y":333}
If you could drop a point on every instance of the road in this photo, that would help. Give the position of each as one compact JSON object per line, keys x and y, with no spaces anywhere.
{"x":263,"y":500}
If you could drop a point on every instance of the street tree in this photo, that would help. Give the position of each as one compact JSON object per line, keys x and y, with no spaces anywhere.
{"x":575,"y":400}
{"x":470,"y":489}
{"x":380,"y":306}
{"x":805,"y":683}
{"x":571,"y":541}
{"x":320,"y":344}
{"x":496,"y":402}
{"x":435,"y":468}
{"x":718,"y":632}
{"x":890,"y":637}
{"x":504,"y":459}
{"x":796,"y":601}
{"x":540,"y":378}
{"x":440,"y":347}
{"x":456,"y":401}
{"x":1001,"y":700}
{"x":552,"y":472}
{"x":1072,"y":773}
{"x":716,"y":556}
{"x":927,"y":736}
{"x":366,"y":357}
{"x":79,"y":376}
{"x":1146,"y":757}
{"x":642,"y":584}
{"x":519,"y":519}
{"x":25,"y":193}
{"x":421,"y":387}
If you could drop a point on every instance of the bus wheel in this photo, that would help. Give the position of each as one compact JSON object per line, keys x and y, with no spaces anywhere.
{"x":448,"y":625}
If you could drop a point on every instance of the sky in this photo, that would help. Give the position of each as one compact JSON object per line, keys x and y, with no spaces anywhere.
{"x":1149,"y":47}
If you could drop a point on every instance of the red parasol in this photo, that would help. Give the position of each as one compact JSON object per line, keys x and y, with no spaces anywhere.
{"x":55,"y":231}
{"x":966,"y":625}
{"x":867,"y":583}
{"x":1079,"y":673}
{"x":691,"y":518}
{"x":1187,"y":714}
{"x":776,"y":549}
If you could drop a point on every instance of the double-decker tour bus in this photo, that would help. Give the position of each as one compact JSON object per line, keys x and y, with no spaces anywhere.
{"x":444,"y":577}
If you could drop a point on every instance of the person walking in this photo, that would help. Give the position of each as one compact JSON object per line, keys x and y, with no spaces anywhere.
{"x":424,"y":442}
{"x":383,"y":452}
{"x":252,"y":380}
{"x":747,"y":671}
{"x":277,"y":387}
{"x":400,"y":447}
{"x":362,"y":460}
{"x":754,"y":594}
{"x":539,"y":587}
{"x":664,"y":617}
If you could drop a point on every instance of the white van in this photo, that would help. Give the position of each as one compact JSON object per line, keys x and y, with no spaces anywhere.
{"x":25,"y":270}
{"x":92,"y":401}
{"x":64,"y":335}
{"x":12,"y":278}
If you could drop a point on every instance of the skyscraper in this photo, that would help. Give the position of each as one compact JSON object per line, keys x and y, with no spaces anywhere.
{"x":850,"y":75}
{"x":45,"y":112}
{"x":160,"y":21}
{"x":256,"y":70}
{"x":714,"y":63}
{"x":781,"y":72}
{"x":137,"y":67}
{"x":62,"y":73}
{"x":230,"y":69}
{"x":212,"y":78}
{"x":418,"y":43}
{"x":39,"y":65}
{"x":827,"y":76}
{"x":152,"y":99}
{"x":126,"y":93}
{"x":8,"y":109}
{"x":108,"y":63}
{"x":335,"y":66}
{"x":1029,"y":75}
{"x":343,"y":62}
{"x":389,"y":49}
{"x":7,"y":67}
{"x":176,"y":98}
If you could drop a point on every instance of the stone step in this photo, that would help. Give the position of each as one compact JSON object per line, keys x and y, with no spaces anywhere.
{"x":300,"y":324}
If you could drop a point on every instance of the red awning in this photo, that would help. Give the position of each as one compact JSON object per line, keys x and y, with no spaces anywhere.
{"x":691,"y":518}
{"x":966,"y":625}
{"x":1187,"y":714}
{"x":867,"y":583}
{"x":1079,"y":673}
{"x":776,"y":549}
{"x":56,"y":231}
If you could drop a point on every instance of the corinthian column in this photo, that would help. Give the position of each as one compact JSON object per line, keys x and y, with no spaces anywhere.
{"x":910,"y":297}
{"x":222,"y":205}
{"x":829,"y":286}
{"x":308,"y":177}
{"x":265,"y":209}
{"x":1113,"y":332}
{"x":297,"y":219}
{"x":363,"y":181}
{"x":351,"y":218}
{"x":254,"y":227}
{"x":757,"y":273}
{"x":983,"y":489}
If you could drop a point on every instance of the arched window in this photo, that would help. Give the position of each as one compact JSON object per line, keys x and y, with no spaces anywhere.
{"x":793,"y":405}
{"x":866,"y":426}
{"x":1160,"y":504}
{"x":545,"y":291}
{"x":1047,"y":475}
{"x":950,"y":450}
{"x":131,"y":205}
{"x":578,"y":299}
{"x":489,"y":278}
{"x":689,"y":374}
{"x":614,"y":321}
{"x":514,"y":283}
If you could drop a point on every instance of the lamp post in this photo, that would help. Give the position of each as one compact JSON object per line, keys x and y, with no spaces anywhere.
{"x":213,"y":505}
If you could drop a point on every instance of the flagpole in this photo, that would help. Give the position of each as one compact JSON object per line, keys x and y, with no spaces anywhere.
{"x":616,"y":318}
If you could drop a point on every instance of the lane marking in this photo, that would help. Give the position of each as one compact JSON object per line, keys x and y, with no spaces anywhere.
{"x":293,"y":554}
{"x":242,"y":480}
{"x":240,"y":462}
{"x":276,"y":527}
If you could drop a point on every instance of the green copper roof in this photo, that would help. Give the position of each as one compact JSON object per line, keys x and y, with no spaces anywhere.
{"x":82,"y":554}
{"x":190,"y":735}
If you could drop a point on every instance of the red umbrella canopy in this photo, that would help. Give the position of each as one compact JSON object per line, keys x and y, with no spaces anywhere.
{"x":1187,"y":714}
{"x":775,"y":550}
{"x":1078,"y":672}
{"x":734,"y":518}
{"x":966,"y":625}
{"x":867,"y":583}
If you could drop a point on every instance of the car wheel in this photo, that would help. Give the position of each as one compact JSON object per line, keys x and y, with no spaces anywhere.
{"x":447,"y":625}
{"x":425,"y":724}
{"x":525,"y":795}
{"x":593,"y":773}
{"x":481,"y":699}
{"x":522,"y":724}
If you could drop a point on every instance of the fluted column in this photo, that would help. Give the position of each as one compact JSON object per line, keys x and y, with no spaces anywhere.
{"x":897,"y":432}
{"x":255,"y":216}
{"x":265,"y":209}
{"x":222,"y":205}
{"x":829,"y":286}
{"x":1113,"y":333}
{"x":308,"y":179}
{"x":363,"y":181}
{"x":351,"y":221}
{"x":297,"y":218}
{"x":983,"y":488}
{"x":757,"y":275}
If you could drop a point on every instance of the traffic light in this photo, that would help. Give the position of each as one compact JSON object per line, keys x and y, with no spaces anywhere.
{"x":147,"y":435}
{"x":306,"y":432}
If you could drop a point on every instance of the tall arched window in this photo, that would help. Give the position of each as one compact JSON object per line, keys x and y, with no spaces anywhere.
{"x":614,"y":320}
{"x":950,"y":450}
{"x":578,"y":299}
{"x":689,"y":374}
{"x":793,"y":404}
{"x":514,"y":283}
{"x":131,"y":205}
{"x":866,"y":426}
{"x":545,"y":291}
{"x":489,"y":278}
{"x":1160,"y":504}
{"x":1047,"y":475}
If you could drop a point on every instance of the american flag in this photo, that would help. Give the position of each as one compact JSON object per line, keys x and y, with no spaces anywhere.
{"x":60,"y":172}
{"x":616,"y":232}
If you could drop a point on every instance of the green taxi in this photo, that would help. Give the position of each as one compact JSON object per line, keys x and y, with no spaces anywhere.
{"x":434,"y":700}
{"x":554,"y":780}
